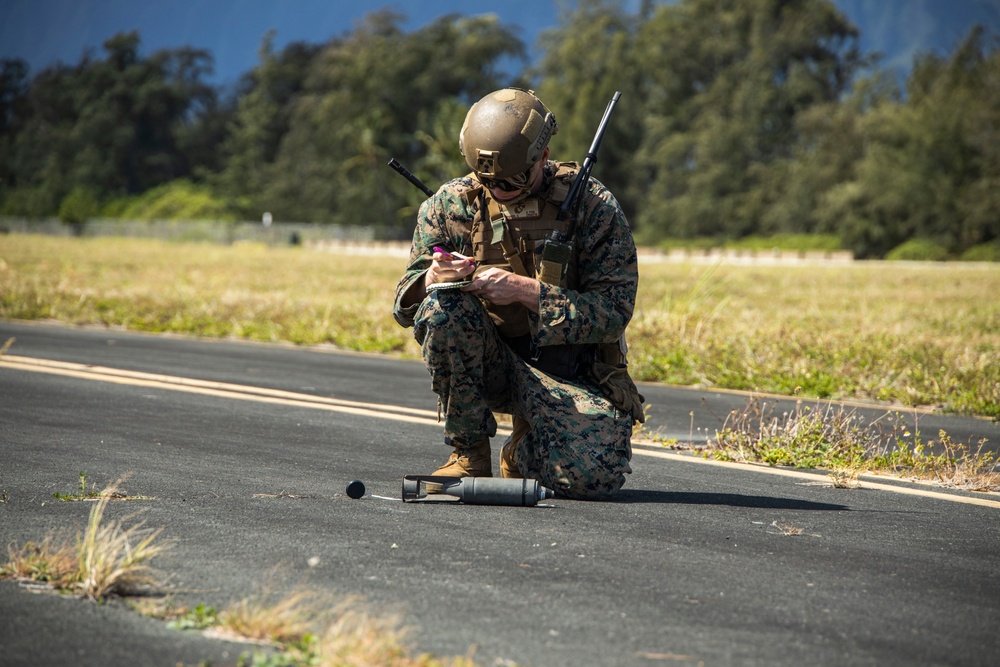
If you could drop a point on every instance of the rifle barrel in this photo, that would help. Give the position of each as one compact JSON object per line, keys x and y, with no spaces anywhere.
{"x":405,"y":173}
{"x":572,"y":200}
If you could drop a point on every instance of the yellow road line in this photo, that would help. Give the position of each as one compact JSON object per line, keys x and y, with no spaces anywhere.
{"x":220,"y":389}
{"x":383,"y":411}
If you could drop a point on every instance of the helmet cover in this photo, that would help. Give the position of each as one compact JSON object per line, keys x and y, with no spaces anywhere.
{"x":505,"y":133}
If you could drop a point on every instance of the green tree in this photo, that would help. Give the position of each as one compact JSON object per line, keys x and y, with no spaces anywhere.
{"x":79,"y":206}
{"x":261,"y":120}
{"x":931,"y":169}
{"x":367,"y":97}
{"x":726,"y":82}
{"x":13,"y":86}
{"x":830,"y":142}
{"x":179,"y":199}
{"x":13,"y":89}
{"x":112,"y":126}
{"x":588,"y":57}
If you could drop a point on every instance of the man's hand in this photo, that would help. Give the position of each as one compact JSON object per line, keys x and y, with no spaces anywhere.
{"x":504,"y":288}
{"x":446,"y":268}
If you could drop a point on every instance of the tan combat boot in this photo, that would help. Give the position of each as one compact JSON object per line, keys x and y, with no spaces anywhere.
{"x":471,"y":461}
{"x":508,"y":453}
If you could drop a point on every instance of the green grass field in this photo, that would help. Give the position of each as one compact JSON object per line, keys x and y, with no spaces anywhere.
{"x":897,"y":333}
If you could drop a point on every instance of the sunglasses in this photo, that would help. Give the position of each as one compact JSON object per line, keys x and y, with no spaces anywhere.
{"x":513,"y":184}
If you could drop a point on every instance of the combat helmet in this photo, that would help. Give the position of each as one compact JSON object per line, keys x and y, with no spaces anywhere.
{"x":505,"y":134}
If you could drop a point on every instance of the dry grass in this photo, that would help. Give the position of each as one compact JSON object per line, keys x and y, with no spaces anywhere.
{"x":789,"y":529}
{"x":309,"y":628}
{"x":52,"y":561}
{"x":304,"y":627}
{"x":107,"y":558}
{"x":961,"y":466}
{"x":840,"y":440}
{"x":245,"y":291}
{"x":847,"y":478}
{"x":913,"y":335}
{"x":904,"y":334}
{"x":356,"y":637}
{"x":811,"y":436}
{"x":281,"y":621}
{"x":114,"y":559}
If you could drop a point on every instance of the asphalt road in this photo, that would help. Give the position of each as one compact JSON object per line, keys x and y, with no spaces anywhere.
{"x":245,"y":451}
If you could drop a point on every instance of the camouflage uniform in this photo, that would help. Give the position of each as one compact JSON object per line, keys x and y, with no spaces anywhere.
{"x":579,"y":443}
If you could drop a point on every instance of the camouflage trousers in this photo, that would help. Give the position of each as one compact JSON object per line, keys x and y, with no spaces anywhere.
{"x":578,"y":443}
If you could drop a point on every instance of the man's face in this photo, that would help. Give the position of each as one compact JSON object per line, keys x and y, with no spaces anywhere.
{"x":521,"y":185}
{"x":514,"y":188}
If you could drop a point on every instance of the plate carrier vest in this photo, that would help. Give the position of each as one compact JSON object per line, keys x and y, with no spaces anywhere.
{"x":513,"y":237}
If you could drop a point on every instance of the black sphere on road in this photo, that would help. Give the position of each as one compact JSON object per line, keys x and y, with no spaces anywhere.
{"x":356,"y":489}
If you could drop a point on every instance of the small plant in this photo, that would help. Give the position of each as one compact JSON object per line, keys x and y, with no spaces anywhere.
{"x":355,"y":636}
{"x":847,"y":478}
{"x":639,"y":431}
{"x":786,"y":528}
{"x":961,"y":467}
{"x":51,"y":561}
{"x":110,"y":492}
{"x":789,"y":529}
{"x":199,"y":618}
{"x":841,"y":441}
{"x":283,"y":621}
{"x":803,"y":438}
{"x":356,"y":632}
{"x":113,"y":558}
{"x":108,"y":558}
{"x":155,"y":606}
{"x":82,"y":492}
{"x":308,"y":628}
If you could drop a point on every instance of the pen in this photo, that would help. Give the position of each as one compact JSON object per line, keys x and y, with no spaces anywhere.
{"x":455,"y":255}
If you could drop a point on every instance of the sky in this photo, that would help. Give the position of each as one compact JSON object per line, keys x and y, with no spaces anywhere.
{"x":43,"y":32}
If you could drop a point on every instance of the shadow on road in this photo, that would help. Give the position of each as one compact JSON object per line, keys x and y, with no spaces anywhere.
{"x":730,"y":499}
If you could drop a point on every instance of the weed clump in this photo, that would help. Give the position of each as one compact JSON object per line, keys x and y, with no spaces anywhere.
{"x":306,"y":627}
{"x":108,"y":558}
{"x":50,"y":561}
{"x":839,"y":439}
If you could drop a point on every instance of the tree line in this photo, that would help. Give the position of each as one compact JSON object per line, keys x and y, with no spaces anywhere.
{"x":737,"y":119}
